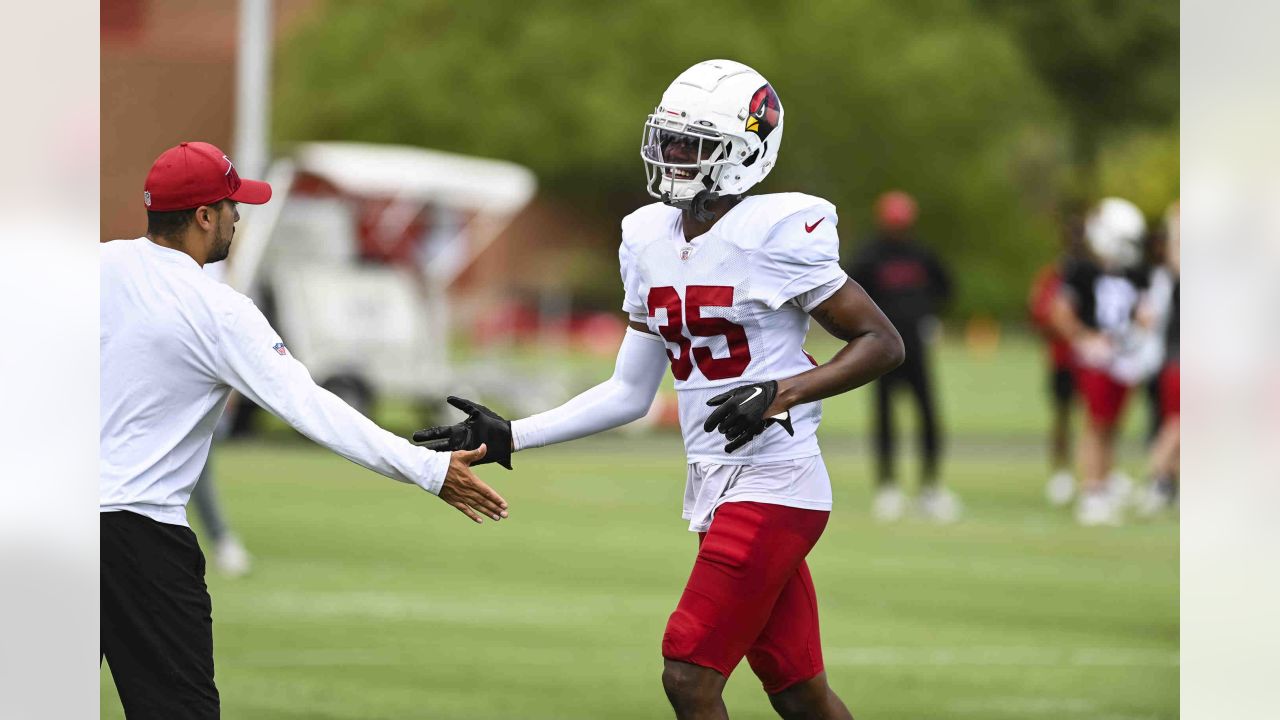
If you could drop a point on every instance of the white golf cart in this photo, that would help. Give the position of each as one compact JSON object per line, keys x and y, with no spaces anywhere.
{"x":354,"y":258}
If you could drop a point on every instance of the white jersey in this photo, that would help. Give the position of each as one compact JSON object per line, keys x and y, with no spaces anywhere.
{"x":723,"y":303}
{"x":174,"y":341}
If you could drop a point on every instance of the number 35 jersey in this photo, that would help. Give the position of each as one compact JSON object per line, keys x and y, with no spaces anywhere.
{"x":732,"y":306}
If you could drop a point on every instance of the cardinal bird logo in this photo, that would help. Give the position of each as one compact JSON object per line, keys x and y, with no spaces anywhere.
{"x":763,"y":112}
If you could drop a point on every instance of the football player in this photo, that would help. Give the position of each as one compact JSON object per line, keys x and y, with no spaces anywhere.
{"x":1103,"y":310}
{"x":1061,"y":488}
{"x":1162,"y":491}
{"x":719,"y":286}
{"x":911,"y":284}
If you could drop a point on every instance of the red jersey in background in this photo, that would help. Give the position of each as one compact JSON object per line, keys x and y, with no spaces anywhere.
{"x":1043,"y":290}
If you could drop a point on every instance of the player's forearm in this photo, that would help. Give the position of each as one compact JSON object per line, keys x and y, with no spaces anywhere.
{"x":862,"y":360}
{"x":873,"y":347}
{"x":325,"y":419}
{"x":345,"y":431}
{"x":257,"y":365}
{"x":603,"y":407}
{"x":1063,"y":320}
{"x":623,"y":398}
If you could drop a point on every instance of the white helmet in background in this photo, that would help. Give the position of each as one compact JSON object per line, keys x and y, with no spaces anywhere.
{"x":716,"y":132}
{"x":1114,"y":230}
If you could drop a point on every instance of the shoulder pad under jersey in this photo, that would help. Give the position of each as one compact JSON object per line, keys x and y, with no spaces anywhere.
{"x":759,"y":215}
{"x":644,"y":223}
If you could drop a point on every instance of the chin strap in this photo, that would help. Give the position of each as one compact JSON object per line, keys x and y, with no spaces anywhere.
{"x":699,"y":205}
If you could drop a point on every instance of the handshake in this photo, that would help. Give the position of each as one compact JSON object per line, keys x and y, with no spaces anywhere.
{"x":482,"y":438}
{"x":739,"y":415}
{"x":482,"y":426}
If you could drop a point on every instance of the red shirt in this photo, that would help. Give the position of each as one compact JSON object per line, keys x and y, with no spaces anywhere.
{"x":1043,"y":290}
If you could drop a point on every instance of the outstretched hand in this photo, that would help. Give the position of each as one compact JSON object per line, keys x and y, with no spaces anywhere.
{"x":468,"y":493}
{"x":481,"y":427}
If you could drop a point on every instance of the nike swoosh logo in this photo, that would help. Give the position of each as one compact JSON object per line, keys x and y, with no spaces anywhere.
{"x":809,"y":228}
{"x":753,"y":397}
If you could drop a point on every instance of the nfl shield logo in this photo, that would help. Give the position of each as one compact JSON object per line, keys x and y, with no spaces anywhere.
{"x":146,"y":197}
{"x":280,"y":348}
{"x":684,"y":253}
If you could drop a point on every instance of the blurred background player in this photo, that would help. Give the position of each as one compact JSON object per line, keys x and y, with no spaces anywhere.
{"x":1061,"y":487}
{"x":1104,"y":311}
{"x":229,"y":554}
{"x":907,"y":280}
{"x":1162,"y":488}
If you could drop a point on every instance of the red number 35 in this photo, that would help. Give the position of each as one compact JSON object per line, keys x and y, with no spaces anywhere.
{"x":689,"y":313}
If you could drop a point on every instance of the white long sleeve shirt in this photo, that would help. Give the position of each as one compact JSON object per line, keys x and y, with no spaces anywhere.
{"x":174,"y":342}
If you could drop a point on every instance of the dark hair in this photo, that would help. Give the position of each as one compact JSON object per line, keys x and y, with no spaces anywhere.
{"x":172,"y":223}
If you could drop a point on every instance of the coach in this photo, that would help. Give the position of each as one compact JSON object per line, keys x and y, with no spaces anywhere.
{"x":174,"y":342}
{"x":908,"y":281}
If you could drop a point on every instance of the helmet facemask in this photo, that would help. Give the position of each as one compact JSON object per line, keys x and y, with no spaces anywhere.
{"x":684,"y":161}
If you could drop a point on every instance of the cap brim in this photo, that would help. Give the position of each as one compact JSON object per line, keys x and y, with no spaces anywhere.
{"x":252,"y":192}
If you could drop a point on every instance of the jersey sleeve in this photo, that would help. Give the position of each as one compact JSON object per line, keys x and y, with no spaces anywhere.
{"x":632,"y":302}
{"x":1141,"y":277}
{"x":811,"y":299}
{"x":801,"y":253}
{"x":1076,"y":283}
{"x":255,"y":362}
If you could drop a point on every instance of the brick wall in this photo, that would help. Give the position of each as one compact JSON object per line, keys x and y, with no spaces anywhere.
{"x":168,"y":75}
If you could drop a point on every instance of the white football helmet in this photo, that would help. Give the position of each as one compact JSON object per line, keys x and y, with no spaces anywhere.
{"x":716,"y":132}
{"x":1114,"y":230}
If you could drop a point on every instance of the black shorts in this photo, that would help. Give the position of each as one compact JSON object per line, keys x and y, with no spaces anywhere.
{"x":157,"y":623}
{"x":1062,"y":384}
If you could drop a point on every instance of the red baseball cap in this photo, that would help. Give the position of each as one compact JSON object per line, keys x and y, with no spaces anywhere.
{"x":197,"y":173}
{"x":895,"y":210}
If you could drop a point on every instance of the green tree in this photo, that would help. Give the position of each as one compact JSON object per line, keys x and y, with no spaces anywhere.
{"x":932,"y":97}
{"x":1111,"y":64}
{"x":1141,"y":166}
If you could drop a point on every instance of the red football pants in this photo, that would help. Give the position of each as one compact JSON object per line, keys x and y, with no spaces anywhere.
{"x":750,"y":594}
{"x":1104,"y":396}
{"x":1171,"y":390}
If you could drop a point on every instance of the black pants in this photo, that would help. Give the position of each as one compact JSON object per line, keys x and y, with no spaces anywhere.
{"x":157,"y":626}
{"x":1062,"y":386}
{"x":914,"y":373}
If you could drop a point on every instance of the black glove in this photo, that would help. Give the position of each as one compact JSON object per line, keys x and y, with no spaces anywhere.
{"x":482,"y":426}
{"x":740,"y":415}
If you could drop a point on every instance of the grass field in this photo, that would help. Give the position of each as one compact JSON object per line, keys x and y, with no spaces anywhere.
{"x":373,"y":600}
